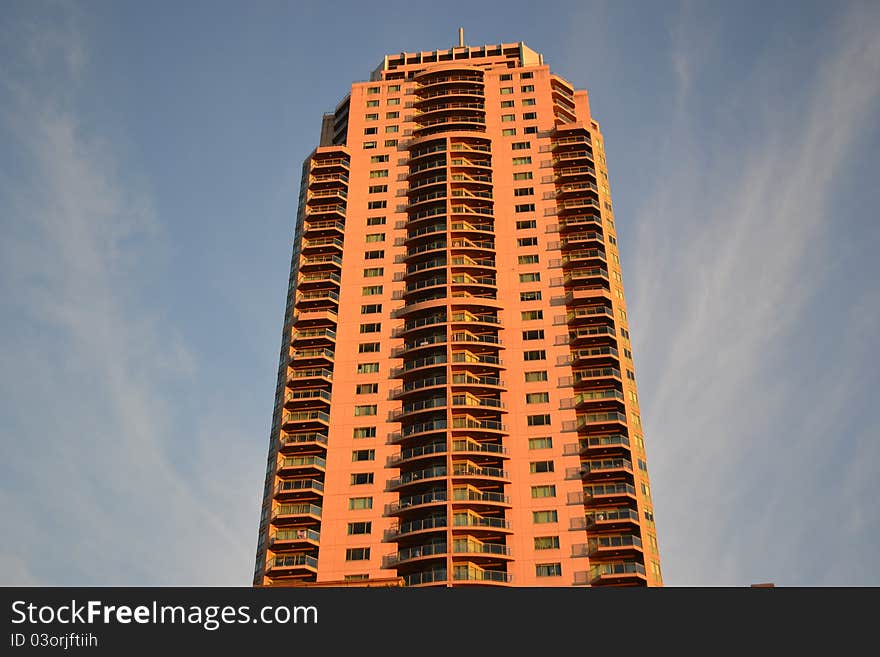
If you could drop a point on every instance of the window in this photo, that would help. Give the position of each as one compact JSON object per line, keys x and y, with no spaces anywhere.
{"x":376,"y":221}
{"x":508,"y":132}
{"x":392,"y":128}
{"x":373,"y":327}
{"x":525,"y":207}
{"x":506,"y":103}
{"x":376,"y":205}
{"x":526,"y":223}
{"x":370,"y":290}
{"x":530,"y":259}
{"x":374,"y":255}
{"x":357,"y":554}
{"x":373,"y":90}
{"x":646,"y":490}
{"x":367,"y":388}
{"x":537,"y":354}
{"x":379,"y":173}
{"x":532,"y":420}
{"x":530,"y":115}
{"x":541,"y":517}
{"x":548,"y":569}
{"x":627,"y":353}
{"x":540,"y":443}
{"x":364,"y":432}
{"x":528,"y":102}
{"x":359,"y":528}
{"x":534,"y":295}
{"x":506,"y":76}
{"x":544,"y":491}
{"x":369,"y":144}
{"x":394,"y":101}
{"x":540,"y":466}
{"x":528,"y":315}
{"x":505,"y":118}
{"x":378,"y":189}
{"x":375,"y":237}
{"x":630,"y":375}
{"x":527,"y":88}
{"x":522,"y":160}
{"x":521,"y":145}
{"x":643,"y":466}
{"x":371,"y":131}
{"x":372,"y":103}
{"x":393,"y":88}
{"x":360,"y":577}
{"x":649,"y":515}
{"x":365,"y":409}
{"x":371,"y":309}
{"x":368,"y":368}
{"x":390,"y":142}
{"x":363,"y":455}
{"x":527,"y":241}
{"x":546,"y":542}
{"x":369,"y":347}
{"x":505,"y":91}
{"x":534,"y":334}
{"x":533,"y":277}
{"x":655,"y":568}
{"x":374,"y":272}
{"x":392,"y":115}
{"x":372,"y":117}
{"x":360,"y":478}
{"x":524,"y":191}
{"x":375,"y":159}
{"x":537,"y":398}
{"x":357,"y":503}
{"x":523,"y":175}
{"x":526,"y":76}
{"x":538,"y":375}
{"x":530,"y":130}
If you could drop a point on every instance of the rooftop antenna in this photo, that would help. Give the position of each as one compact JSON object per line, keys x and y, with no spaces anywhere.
{"x":461,"y":37}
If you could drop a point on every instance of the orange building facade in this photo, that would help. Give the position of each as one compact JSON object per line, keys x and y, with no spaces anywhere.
{"x":456,"y":400}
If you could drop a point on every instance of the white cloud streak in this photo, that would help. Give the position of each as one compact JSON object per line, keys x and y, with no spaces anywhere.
{"x":728,"y":257}
{"x":96,"y":449}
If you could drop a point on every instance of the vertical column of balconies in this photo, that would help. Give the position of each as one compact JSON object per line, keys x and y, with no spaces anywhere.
{"x":296,"y":510}
{"x":614,"y":545}
{"x":451,"y":525}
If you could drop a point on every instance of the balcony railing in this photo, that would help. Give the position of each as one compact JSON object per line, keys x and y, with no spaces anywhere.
{"x":291,"y":535}
{"x":477,"y":575}
{"x":604,"y":490}
{"x":294,"y":485}
{"x":294,"y":462}
{"x":292,"y":561}
{"x":479,"y":521}
{"x":475,"y":547}
{"x":296,"y":510}
{"x":425,"y":577}
{"x":469,"y":495}
{"x":416,"y":500}
{"x":417,"y":475}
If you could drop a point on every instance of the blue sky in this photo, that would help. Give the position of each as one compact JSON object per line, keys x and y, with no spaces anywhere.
{"x":149,"y":169}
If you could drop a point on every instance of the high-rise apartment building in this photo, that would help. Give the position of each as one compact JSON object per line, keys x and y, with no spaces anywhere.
{"x":456,"y":399}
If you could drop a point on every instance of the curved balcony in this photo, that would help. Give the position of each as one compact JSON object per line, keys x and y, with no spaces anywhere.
{"x":474,"y":575}
{"x":414,"y":554}
{"x":315,"y":357}
{"x":328,"y":263}
{"x":419,"y":386}
{"x":465,"y":264}
{"x":490,"y":360}
{"x":438,"y":107}
{"x":465,"y":317}
{"x":423,"y":249}
{"x":301,"y":442}
{"x":301,"y":465}
{"x":414,"y":527}
{"x":421,"y":185}
{"x":306,"y":420}
{"x":579,"y":222}
{"x":610,"y":420}
{"x":416,"y":408}
{"x":481,"y":165}
{"x":291,"y":564}
{"x":418,"y":324}
{"x":408,"y":503}
{"x":600,"y":445}
{"x":299,"y":488}
{"x":416,"y":477}
{"x":589,"y":314}
{"x":473,"y":231}
{"x":293,"y":539}
{"x":471,"y":496}
{"x":311,"y":376}
{"x":614,"y":545}
{"x":473,"y":522}
{"x":605,"y":469}
{"x":478,"y":549}
{"x":619,"y":572}
{"x":609,"y":493}
{"x":423,"y":231}
{"x":427,"y":362}
{"x":406,"y":456}
{"x":426,"y":577}
{"x":421,"y":305}
{"x":423,"y":268}
{"x":474,"y":425}
{"x":430,"y":126}
{"x":410,"y":348}
{"x":473,"y":471}
{"x":480,"y":383}
{"x":611,"y":519}
{"x":325,"y":228}
{"x":428,"y":168}
{"x":295,"y":513}
{"x":475,"y":448}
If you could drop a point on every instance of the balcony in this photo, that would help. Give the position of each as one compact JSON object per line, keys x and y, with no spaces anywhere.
{"x":291,"y":564}
{"x":470,"y":358}
{"x":414,"y":553}
{"x":469,"y":380}
{"x":302,"y":442}
{"x":293,"y":488}
{"x":573,"y":257}
{"x":614,"y":545}
{"x":323,"y":262}
{"x":416,"y":324}
{"x":327,"y":179}
{"x":590,"y":333}
{"x":309,"y":376}
{"x":495,"y":550}
{"x":603,"y":444}
{"x":419,"y":363}
{"x":584,"y":314}
{"x":318,"y":228}
{"x":307,"y":397}
{"x":326,"y":211}
{"x":619,"y":572}
{"x":568,"y":173}
{"x":472,"y":522}
{"x":605,"y":468}
{"x":418,"y":385}
{"x":416,"y":453}
{"x":465,"y":317}
{"x":416,"y":476}
{"x":608,"y":519}
{"x":466,"y":575}
{"x":591,"y":421}
{"x":313,"y":335}
{"x":306,"y":419}
{"x":468,"y":423}
{"x":581,"y":356}
{"x":315,"y":317}
{"x":573,"y":159}
{"x":474,"y":447}
{"x":286,"y":539}
{"x":609,"y":493}
{"x":425,"y":577}
{"x":473,"y":496}
{"x":473,"y":471}
{"x":429,"y":524}
{"x":301,"y":465}
{"x":562,"y":142}
{"x":328,"y":162}
{"x":578,"y":222}
{"x":339,"y":193}
{"x":319,"y":279}
{"x":410,"y":502}
{"x":462,"y":261}
{"x":593,"y":374}
{"x":469,"y":400}
{"x":296,"y":513}
{"x":420,"y":343}
{"x":317,"y":245}
{"x":311,"y":357}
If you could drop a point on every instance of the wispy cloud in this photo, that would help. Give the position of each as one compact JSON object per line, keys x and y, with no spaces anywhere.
{"x":744,"y":441}
{"x":103,"y":478}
